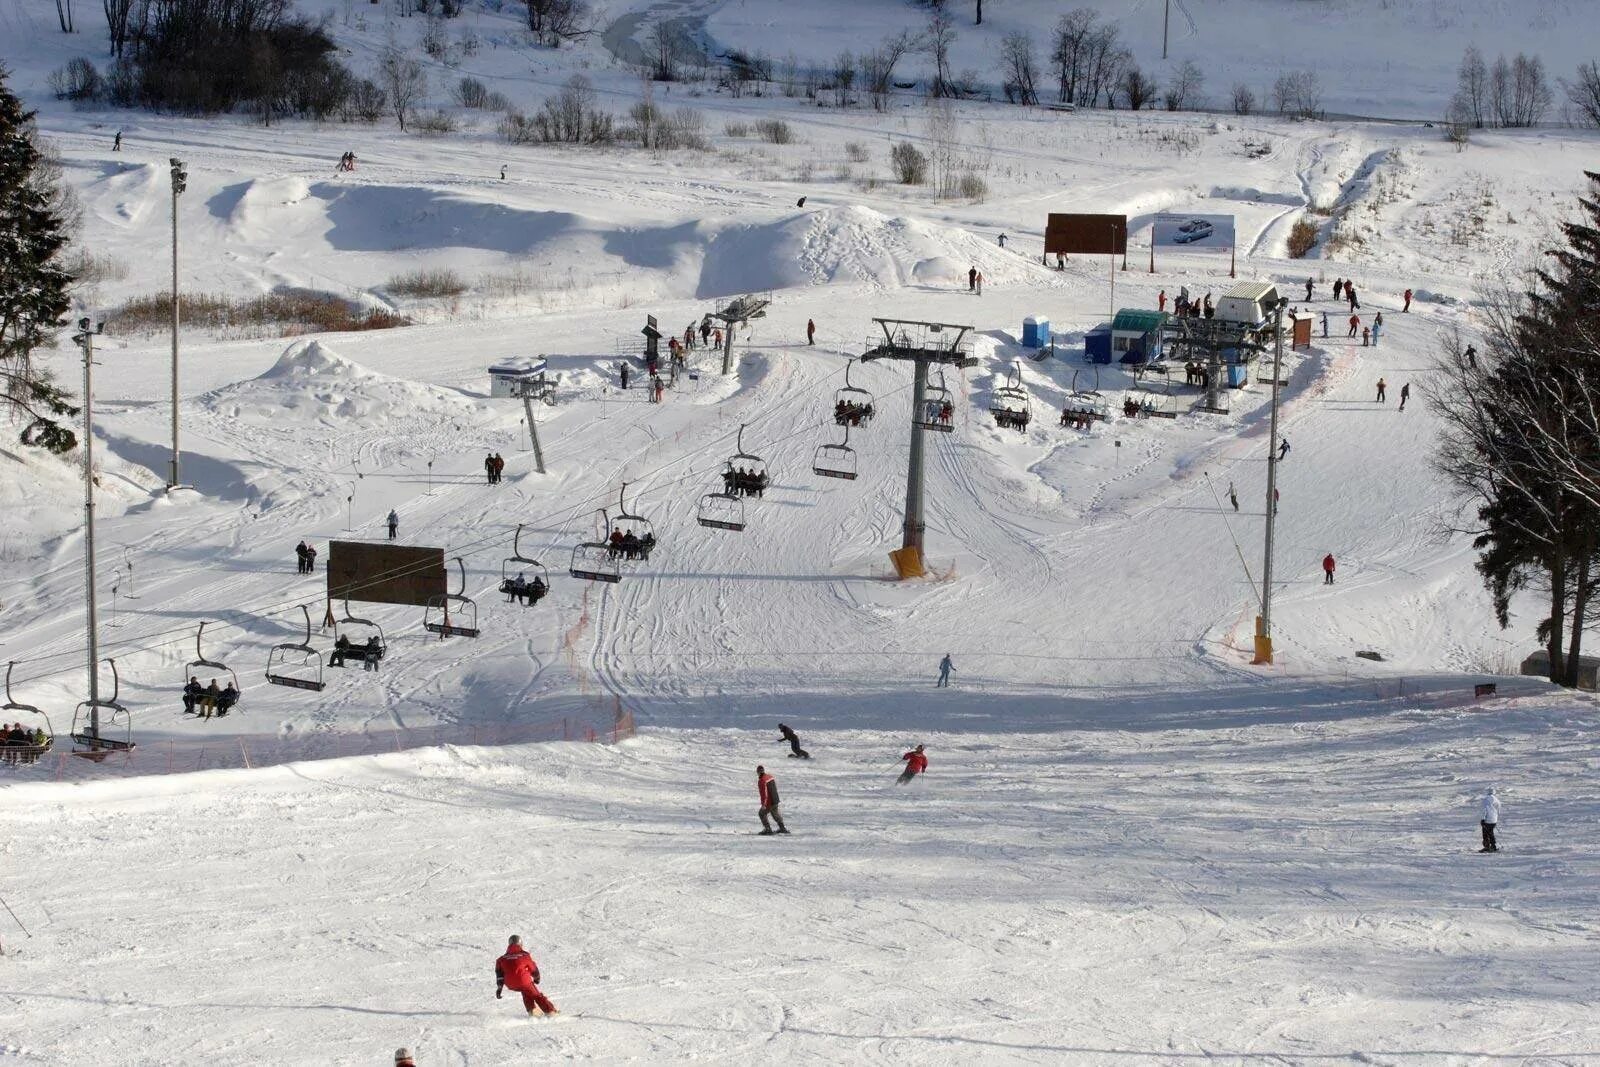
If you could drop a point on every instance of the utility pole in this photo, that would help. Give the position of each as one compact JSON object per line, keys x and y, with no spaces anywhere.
{"x":930,"y":345}
{"x":1264,"y":620}
{"x":533,"y":428}
{"x":84,"y":339}
{"x":1166,"y":18}
{"x":180,"y":182}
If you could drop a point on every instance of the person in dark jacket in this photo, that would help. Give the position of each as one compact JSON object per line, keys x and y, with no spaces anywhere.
{"x":916,"y":763}
{"x":519,"y":972}
{"x":192,"y":694}
{"x":300,"y":555}
{"x":794,"y":742}
{"x":767,"y":790}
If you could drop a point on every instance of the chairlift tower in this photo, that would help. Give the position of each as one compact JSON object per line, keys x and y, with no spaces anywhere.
{"x":84,"y":339}
{"x":922,"y":344}
{"x":738,"y":311}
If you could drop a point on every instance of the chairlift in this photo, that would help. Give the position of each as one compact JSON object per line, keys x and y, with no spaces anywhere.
{"x":367,"y":645}
{"x":193,"y":669}
{"x":28,"y":753}
{"x":721,"y":511}
{"x":632,"y":537}
{"x":593,"y":560}
{"x":513,"y":568}
{"x":296,"y":664}
{"x":851,"y":406}
{"x":1011,"y":406}
{"x":437,"y":617}
{"x":1085,"y":404}
{"x":938,"y":407}
{"x":1157,"y":401}
{"x":836,"y":461}
{"x":745,"y":474}
{"x":92,"y":743}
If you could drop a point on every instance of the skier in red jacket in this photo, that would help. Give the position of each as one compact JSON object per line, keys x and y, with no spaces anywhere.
{"x":1327,"y":569}
{"x":517,"y":970}
{"x":916,"y":763}
{"x":767,"y":790}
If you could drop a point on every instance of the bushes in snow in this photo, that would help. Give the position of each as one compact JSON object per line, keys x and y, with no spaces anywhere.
{"x":910,"y":165}
{"x":775,"y":131}
{"x":427,"y":283}
{"x":1302,"y":238}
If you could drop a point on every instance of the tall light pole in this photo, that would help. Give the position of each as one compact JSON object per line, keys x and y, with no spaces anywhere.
{"x":1264,"y":620}
{"x":180,"y":182}
{"x":84,"y":339}
{"x":1166,"y":19}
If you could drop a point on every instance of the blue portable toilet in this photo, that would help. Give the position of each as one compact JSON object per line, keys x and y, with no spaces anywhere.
{"x":1097,"y":344}
{"x":1235,"y":368}
{"x":1035,"y":332}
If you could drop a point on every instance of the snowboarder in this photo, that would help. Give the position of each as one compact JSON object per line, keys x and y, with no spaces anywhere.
{"x":811,"y":332}
{"x":1327,"y":569}
{"x":980,"y":283}
{"x":795,"y":751}
{"x":945,"y":667}
{"x":624,"y":374}
{"x":1355,"y":324}
{"x":402,"y":1058}
{"x":972,"y":279}
{"x":1338,"y":287}
{"x":1283,"y":449}
{"x":518,"y":971}
{"x":801,"y":202}
{"x":1002,"y":240}
{"x":1233,"y":496}
{"x":394,"y":523}
{"x":1310,"y":282}
{"x":1405,"y":394}
{"x":1383,"y":388}
{"x":1161,"y":301}
{"x":916,"y":763}
{"x":1488,"y":819}
{"x":116,"y":144}
{"x":1407,"y":306}
{"x":767,"y":790}
{"x":1324,"y":324}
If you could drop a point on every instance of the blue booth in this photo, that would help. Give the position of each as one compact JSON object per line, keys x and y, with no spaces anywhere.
{"x":1097,"y":344}
{"x":1035,"y":332}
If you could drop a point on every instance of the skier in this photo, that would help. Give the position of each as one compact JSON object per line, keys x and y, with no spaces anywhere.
{"x":705,"y":333}
{"x":1383,"y":387}
{"x":767,"y":790}
{"x":972,"y":279}
{"x":488,"y":467}
{"x":518,"y":970}
{"x":945,"y":667}
{"x":502,"y":172}
{"x":811,"y":332}
{"x":1488,"y":819}
{"x":311,"y":560}
{"x":624,"y":374}
{"x":1338,"y":287}
{"x":1377,"y":330}
{"x":1002,"y":240}
{"x":1366,"y":337}
{"x":1283,"y":449}
{"x":499,"y":468}
{"x":1355,"y":324}
{"x":1472,"y":357}
{"x":1310,"y":282}
{"x":1161,"y":301}
{"x":1233,"y":497}
{"x":657,"y":385}
{"x":795,"y":751}
{"x":402,"y":1058}
{"x":916,"y":763}
{"x":394,"y":523}
{"x":116,"y":144}
{"x":1407,"y":306}
{"x":300,"y":555}
{"x":980,"y":283}
{"x":716,"y":337}
{"x":1324,"y":324}
{"x":1350,"y":292}
{"x":1327,"y":569}
{"x":1405,"y":394}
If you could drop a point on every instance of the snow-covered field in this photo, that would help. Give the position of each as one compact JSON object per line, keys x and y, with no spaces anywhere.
{"x":1132,"y":845}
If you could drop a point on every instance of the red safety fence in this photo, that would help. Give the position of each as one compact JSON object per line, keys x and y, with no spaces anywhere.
{"x":180,"y":755}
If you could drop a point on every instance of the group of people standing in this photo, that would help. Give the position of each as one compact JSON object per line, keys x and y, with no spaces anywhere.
{"x":975,"y":281}
{"x":494,"y":466}
{"x":306,"y":558}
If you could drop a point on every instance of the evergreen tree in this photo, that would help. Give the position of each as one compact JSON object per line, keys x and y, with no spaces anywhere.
{"x":33,"y":286}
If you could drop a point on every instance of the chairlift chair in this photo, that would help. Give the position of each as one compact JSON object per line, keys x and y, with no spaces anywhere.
{"x":96,"y":745}
{"x":28,"y":753}
{"x":452,"y":614}
{"x":1011,"y":406}
{"x":358,"y":647}
{"x":217,"y":666}
{"x":628,"y":525}
{"x":836,"y":461}
{"x":937,"y":407}
{"x":851,"y":406}
{"x":515,"y":565}
{"x":746,"y":472}
{"x":593,"y":561}
{"x":721,"y":511}
{"x":1159,"y":402}
{"x":1086,"y":404}
{"x":296,"y":664}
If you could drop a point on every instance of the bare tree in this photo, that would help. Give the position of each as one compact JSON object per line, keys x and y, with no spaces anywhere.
{"x":1298,"y":94}
{"x":1472,"y":87}
{"x":1104,"y":63}
{"x":663,"y":46}
{"x":117,"y":12}
{"x":939,"y":37}
{"x":404,"y":83}
{"x":1017,"y":67}
{"x":844,"y":77}
{"x":1137,"y":90}
{"x":1583,"y":93}
{"x":1530,"y":90}
{"x":877,"y":66}
{"x":554,"y":21}
{"x":1183,"y":91}
{"x":1067,"y":51}
{"x":64,"y":15}
{"x":1244,"y":100}
{"x":1458,"y":122}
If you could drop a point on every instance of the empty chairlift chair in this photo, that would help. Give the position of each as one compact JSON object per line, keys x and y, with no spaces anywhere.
{"x":355,"y":638}
{"x":296,"y":664}
{"x":200,"y":697}
{"x":938,"y":408}
{"x":113,"y":732}
{"x":32,"y":719}
{"x":534,"y":588}
{"x":594,"y":561}
{"x":852,"y":406}
{"x":836,"y":461}
{"x":452,"y":614}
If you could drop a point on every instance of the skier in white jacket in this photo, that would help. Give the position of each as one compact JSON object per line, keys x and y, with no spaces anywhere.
{"x":1488,"y":817}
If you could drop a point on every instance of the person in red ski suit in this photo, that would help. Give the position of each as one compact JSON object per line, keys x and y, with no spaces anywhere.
{"x":767,"y":790}
{"x":1327,"y":569}
{"x":517,"y":971}
{"x":916,"y":763}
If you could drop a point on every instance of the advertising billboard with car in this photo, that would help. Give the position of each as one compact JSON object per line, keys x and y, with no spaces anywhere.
{"x":1193,"y":233}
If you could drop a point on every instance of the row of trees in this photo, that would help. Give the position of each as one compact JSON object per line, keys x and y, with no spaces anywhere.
{"x":1522,"y":440}
{"x":1507,"y":93}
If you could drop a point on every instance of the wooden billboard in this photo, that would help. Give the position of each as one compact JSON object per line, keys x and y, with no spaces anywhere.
{"x":1072,"y":234}
{"x":381,"y":573}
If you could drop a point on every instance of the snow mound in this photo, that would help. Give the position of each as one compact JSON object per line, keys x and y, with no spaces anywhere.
{"x":265,"y":208}
{"x":312,"y":383}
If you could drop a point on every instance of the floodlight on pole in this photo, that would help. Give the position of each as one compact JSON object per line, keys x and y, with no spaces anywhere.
{"x":84,"y":339}
{"x":180,"y":182}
